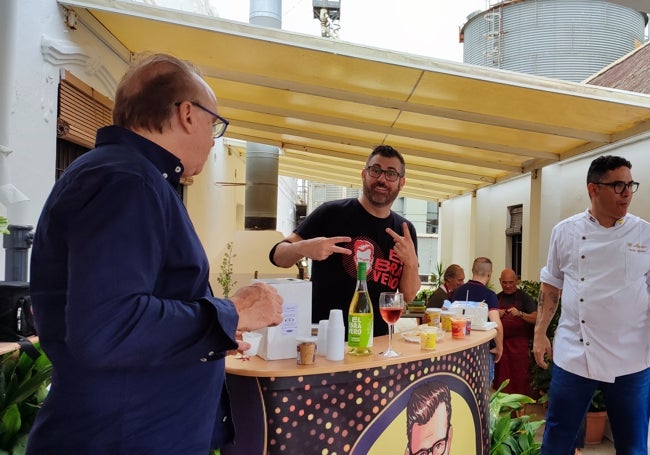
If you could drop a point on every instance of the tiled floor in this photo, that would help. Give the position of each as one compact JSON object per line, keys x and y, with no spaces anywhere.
{"x":605,"y":448}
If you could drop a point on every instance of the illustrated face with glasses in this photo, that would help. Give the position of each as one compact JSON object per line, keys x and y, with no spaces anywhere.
{"x":219,"y":124}
{"x":429,"y":420}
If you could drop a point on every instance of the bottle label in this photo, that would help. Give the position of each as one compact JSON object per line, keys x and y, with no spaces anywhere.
{"x":360,"y":330}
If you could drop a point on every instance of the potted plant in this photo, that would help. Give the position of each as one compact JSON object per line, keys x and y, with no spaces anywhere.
{"x":3,"y":225}
{"x":540,"y":378}
{"x":596,"y":419}
{"x":225,"y":274}
{"x":508,"y":434}
{"x":24,"y":383}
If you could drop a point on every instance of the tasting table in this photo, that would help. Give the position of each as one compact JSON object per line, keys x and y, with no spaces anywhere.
{"x":357,"y":405}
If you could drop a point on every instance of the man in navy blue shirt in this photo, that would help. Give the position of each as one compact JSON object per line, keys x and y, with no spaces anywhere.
{"x":120,"y":283}
{"x":476,"y":290}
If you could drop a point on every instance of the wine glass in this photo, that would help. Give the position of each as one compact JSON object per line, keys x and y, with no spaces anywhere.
{"x":391,"y":305}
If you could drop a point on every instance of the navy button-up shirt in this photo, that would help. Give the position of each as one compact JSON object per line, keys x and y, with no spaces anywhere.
{"x":119,"y":284}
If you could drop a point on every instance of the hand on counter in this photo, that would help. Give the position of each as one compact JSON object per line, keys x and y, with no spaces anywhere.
{"x":259,"y":305}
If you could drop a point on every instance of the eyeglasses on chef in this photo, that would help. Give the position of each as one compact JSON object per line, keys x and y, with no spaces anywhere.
{"x":375,"y":172}
{"x":619,"y":186}
{"x":219,"y":125}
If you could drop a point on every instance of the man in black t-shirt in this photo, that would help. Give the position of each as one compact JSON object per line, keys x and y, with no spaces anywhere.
{"x":339,"y":234}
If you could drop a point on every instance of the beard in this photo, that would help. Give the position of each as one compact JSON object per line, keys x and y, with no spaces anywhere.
{"x":379,"y":194}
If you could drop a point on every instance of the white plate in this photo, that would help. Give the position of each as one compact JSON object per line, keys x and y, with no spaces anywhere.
{"x":487,"y":326}
{"x":413,"y":336}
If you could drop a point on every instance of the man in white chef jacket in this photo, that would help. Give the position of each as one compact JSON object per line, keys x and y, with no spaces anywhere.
{"x":599,"y":262}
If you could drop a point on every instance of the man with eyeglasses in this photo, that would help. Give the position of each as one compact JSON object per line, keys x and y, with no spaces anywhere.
{"x":428,"y":420}
{"x":599,"y":262}
{"x":338,"y":233}
{"x":120,"y":283}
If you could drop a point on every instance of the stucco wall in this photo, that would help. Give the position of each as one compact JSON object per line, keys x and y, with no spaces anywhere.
{"x":475,"y":226}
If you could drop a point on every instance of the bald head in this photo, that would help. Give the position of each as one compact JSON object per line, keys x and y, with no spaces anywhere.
{"x":508,"y":281}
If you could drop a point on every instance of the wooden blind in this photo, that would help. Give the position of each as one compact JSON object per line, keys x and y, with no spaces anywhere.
{"x":82,"y":110}
{"x":516,"y":217}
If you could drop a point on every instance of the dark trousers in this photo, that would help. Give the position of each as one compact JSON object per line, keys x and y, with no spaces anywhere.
{"x":626,"y":401}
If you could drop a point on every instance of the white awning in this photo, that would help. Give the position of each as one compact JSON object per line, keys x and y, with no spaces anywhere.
{"x":326,"y":103}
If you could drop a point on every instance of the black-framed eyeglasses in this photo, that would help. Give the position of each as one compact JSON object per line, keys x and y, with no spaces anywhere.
{"x":219,"y":125}
{"x":619,"y":186}
{"x":438,"y":448}
{"x":375,"y":172}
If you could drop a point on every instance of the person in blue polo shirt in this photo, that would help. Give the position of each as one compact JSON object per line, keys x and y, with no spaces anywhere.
{"x":476,"y":290}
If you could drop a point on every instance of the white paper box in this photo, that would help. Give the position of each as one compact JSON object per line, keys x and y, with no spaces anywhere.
{"x":280,"y":342}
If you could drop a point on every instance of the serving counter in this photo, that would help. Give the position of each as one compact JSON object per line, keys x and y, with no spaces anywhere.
{"x":359,"y":405}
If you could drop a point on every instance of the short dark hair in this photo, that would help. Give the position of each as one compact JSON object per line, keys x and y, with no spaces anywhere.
{"x":423,"y":403}
{"x":482,"y":266}
{"x":387,"y":152}
{"x":452,"y":271}
{"x":603,"y":164}
{"x":147,"y":93}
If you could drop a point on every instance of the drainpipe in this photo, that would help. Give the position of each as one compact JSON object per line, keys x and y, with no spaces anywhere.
{"x":262,"y":160}
{"x":16,"y":244}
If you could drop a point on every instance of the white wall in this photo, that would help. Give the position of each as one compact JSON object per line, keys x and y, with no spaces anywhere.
{"x":455,"y":233}
{"x":34,"y":54}
{"x":474,"y":226}
{"x":30,"y":84}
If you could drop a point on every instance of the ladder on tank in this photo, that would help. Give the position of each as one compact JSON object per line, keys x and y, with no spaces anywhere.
{"x":493,"y":34}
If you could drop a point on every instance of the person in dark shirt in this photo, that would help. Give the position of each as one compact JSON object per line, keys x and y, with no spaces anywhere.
{"x":518,"y":313}
{"x":454,"y":277}
{"x":476,"y":290}
{"x":120,"y":285}
{"x":339,"y":234}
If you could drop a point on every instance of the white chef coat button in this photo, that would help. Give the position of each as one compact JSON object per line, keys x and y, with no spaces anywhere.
{"x":165,"y":175}
{"x":203,"y":359}
{"x":211,"y":353}
{"x":177,"y":169}
{"x":225,"y":419}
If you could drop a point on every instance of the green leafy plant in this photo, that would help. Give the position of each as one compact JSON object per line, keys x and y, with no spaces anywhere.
{"x":424,"y":294}
{"x":512,"y":435}
{"x":24,"y":383}
{"x":225,"y":274}
{"x":438,"y":278}
{"x":597,"y":402}
{"x":3,"y":225}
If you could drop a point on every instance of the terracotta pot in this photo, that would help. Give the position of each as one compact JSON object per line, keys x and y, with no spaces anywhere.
{"x":596,"y":422}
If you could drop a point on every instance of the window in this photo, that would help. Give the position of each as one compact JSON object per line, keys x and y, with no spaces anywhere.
{"x":514,"y":237}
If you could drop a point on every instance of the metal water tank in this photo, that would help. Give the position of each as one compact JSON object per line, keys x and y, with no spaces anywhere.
{"x":562,"y":39}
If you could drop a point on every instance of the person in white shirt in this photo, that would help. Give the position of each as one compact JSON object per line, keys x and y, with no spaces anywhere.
{"x":599,"y":262}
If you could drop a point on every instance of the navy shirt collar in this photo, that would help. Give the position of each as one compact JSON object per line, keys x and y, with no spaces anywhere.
{"x":167,"y":163}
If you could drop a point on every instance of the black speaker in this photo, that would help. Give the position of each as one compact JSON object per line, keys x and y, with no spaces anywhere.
{"x":16,"y":317}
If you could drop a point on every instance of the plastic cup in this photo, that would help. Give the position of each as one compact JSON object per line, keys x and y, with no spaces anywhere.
{"x":321,"y":347}
{"x":434,"y":316}
{"x":428,"y":337}
{"x":252,"y":338}
{"x":306,"y":350}
{"x":458,"y":327}
{"x":445,"y":320}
